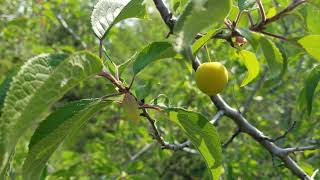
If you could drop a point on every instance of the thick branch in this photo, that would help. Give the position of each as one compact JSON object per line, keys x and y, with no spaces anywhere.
{"x":165,"y":14}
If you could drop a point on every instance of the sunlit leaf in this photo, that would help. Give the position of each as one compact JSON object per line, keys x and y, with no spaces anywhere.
{"x":311,"y":44}
{"x":106,"y":13}
{"x":251,"y":62}
{"x":51,"y":132}
{"x":203,"y":136}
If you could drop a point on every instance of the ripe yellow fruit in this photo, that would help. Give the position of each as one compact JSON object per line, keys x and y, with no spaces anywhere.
{"x":211,"y":78}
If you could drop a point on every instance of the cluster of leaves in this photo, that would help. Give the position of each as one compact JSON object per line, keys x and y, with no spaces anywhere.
{"x":27,"y":95}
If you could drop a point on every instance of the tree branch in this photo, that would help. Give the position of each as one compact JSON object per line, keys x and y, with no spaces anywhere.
{"x":157,"y":136}
{"x":247,"y":127}
{"x":300,"y":149}
{"x":65,"y":25}
{"x":230,"y":139}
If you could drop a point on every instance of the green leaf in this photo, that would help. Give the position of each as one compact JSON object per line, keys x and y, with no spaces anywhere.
{"x":272,"y":55}
{"x":106,"y":13}
{"x":251,"y":62}
{"x":51,"y":132}
{"x":307,"y":93}
{"x":143,"y":90}
{"x":203,"y":136}
{"x":312,"y":19}
{"x":40,"y":82}
{"x":202,"y":41}
{"x":4,"y":87}
{"x":311,"y":44}
{"x":246,"y":4}
{"x":198,"y":15}
{"x":151,"y":53}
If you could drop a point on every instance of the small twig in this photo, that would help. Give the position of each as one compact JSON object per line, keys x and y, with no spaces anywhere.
{"x":250,"y":18}
{"x":231,"y":138}
{"x":273,"y":35}
{"x":285,"y":133}
{"x":65,"y":25}
{"x":217,"y":117}
{"x":262,"y":11}
{"x":235,"y":23}
{"x":157,"y":136}
{"x":314,"y":174}
{"x":141,"y":152}
{"x":100,"y":48}
{"x":111,"y":95}
{"x":149,"y":106}
{"x":113,"y":80}
{"x":301,"y":149}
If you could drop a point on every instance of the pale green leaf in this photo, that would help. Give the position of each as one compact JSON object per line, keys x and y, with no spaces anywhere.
{"x":202,"y":41}
{"x":311,"y":44}
{"x":106,"y":13}
{"x":59,"y":125}
{"x":131,"y":107}
{"x":40,"y":82}
{"x":306,"y":95}
{"x":312,"y":19}
{"x":250,"y":60}
{"x":203,"y":136}
{"x":198,"y":15}
{"x":151,"y":53}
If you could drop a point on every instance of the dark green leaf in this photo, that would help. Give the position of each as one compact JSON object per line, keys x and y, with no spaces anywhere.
{"x":151,"y":53}
{"x":272,"y":55}
{"x":40,"y":82}
{"x":307,"y":93}
{"x":51,"y":132}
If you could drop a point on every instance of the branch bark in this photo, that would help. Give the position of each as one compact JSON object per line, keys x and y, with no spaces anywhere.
{"x":242,"y":123}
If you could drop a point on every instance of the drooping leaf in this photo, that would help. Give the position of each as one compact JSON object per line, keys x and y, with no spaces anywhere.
{"x":252,"y":64}
{"x":307,"y":93}
{"x":198,"y":15}
{"x":311,"y":44}
{"x":151,"y":53}
{"x":131,"y":107}
{"x":39,"y":83}
{"x":51,"y":132}
{"x":202,"y":41}
{"x":272,"y":55}
{"x":106,"y":13}
{"x":203,"y":136}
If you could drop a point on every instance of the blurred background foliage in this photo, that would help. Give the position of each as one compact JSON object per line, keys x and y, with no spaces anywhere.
{"x":110,"y":146}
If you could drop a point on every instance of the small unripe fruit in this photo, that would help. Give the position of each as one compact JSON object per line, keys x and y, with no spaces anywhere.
{"x":211,"y":78}
{"x":240,"y":41}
